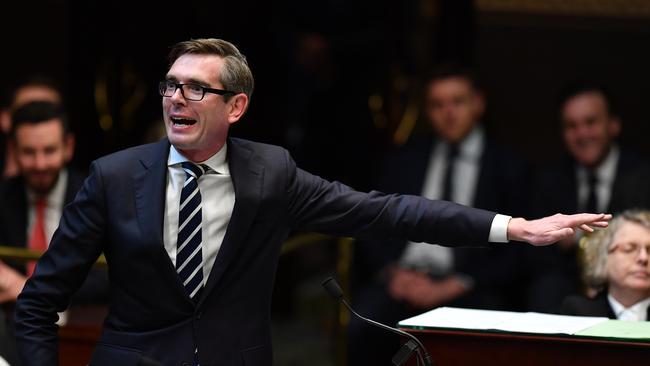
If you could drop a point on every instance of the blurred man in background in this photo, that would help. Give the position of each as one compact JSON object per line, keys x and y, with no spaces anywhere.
{"x":597,"y":175}
{"x":33,"y":89}
{"x":461,"y":164}
{"x":31,"y":203}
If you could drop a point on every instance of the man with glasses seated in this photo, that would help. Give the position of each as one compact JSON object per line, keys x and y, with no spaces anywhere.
{"x":617,"y":264}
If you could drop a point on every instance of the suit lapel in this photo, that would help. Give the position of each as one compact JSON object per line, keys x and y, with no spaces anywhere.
{"x":247,"y":176}
{"x":150,"y":185}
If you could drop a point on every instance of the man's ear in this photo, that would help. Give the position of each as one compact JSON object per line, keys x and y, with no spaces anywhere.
{"x":238,"y":105}
{"x":69,"y":141}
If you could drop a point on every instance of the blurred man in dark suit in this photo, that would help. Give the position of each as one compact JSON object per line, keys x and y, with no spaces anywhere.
{"x":33,"y":89}
{"x":461,"y":164}
{"x":597,"y":175}
{"x":31,"y":203}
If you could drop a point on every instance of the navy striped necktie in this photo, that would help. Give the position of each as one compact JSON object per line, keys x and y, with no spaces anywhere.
{"x":189,"y":256}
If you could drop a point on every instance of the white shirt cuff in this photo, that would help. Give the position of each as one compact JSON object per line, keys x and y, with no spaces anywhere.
{"x":499,"y":229}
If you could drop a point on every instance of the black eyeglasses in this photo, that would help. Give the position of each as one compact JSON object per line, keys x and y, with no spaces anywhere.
{"x":190,"y":91}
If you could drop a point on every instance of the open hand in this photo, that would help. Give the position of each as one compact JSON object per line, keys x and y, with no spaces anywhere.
{"x":551,"y":229}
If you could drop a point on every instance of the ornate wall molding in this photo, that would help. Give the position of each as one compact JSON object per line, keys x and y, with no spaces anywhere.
{"x":639,"y":9}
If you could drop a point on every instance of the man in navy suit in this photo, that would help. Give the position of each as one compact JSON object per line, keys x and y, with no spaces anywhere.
{"x":211,"y":306}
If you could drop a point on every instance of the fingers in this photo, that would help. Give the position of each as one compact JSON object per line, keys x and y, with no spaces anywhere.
{"x":586,"y":228}
{"x":564,"y":233}
{"x":577,"y":220}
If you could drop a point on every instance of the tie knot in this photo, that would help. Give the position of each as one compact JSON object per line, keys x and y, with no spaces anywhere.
{"x":195,"y":170}
{"x":40,"y":203}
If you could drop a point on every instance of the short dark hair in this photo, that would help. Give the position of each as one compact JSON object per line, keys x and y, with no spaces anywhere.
{"x":235,"y":75}
{"x":38,"y":112}
{"x":578,"y":87}
{"x":447,"y":71}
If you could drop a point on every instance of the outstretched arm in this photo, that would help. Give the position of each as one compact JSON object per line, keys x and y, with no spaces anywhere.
{"x":551,"y":229}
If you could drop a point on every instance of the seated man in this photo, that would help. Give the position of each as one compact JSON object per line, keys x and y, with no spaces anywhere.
{"x":31,"y":205}
{"x":597,"y":174}
{"x":34,"y":89}
{"x":458,"y":162}
{"x":617,"y":262}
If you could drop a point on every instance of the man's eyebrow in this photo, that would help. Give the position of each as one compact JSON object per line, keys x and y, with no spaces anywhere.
{"x":200,"y":82}
{"x":189,"y":81}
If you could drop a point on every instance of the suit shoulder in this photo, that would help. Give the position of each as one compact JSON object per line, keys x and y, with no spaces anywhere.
{"x":254,"y":145}
{"x":124,"y":158}
{"x":262,"y":150}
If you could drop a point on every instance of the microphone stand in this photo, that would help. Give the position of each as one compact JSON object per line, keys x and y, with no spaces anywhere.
{"x":407,"y":349}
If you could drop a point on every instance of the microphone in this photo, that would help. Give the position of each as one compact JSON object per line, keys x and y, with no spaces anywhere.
{"x":413,"y":345}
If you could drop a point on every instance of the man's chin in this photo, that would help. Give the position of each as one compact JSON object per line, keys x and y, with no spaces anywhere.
{"x":180,"y":141}
{"x":41,"y":187}
{"x":589,"y":159}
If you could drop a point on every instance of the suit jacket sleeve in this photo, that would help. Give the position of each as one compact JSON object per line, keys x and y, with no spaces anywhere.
{"x":76,"y":245}
{"x":334,"y":208}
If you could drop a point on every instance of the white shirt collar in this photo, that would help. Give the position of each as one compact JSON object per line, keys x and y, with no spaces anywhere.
{"x":638,"y":311}
{"x":606,"y":171}
{"x":471,"y":147}
{"x":216,"y":162}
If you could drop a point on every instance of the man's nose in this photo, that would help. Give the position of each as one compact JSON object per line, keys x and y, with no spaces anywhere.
{"x":583,"y":131}
{"x":40,"y":161}
{"x":177,"y":97}
{"x":643,"y":254}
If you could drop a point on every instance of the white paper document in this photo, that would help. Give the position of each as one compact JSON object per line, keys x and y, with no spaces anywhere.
{"x":508,"y":321}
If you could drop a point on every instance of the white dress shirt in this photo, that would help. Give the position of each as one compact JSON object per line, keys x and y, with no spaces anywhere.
{"x":217,"y":202}
{"x":605,"y":176}
{"x":437,"y":259}
{"x":53,"y":210}
{"x":636,"y":313}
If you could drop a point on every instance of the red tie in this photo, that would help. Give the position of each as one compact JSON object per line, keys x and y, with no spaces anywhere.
{"x":37,"y":240}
